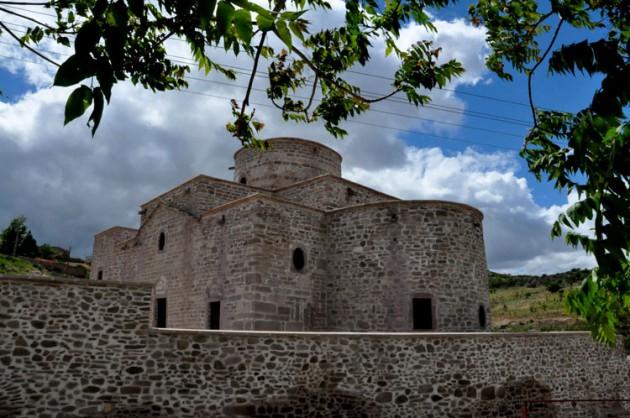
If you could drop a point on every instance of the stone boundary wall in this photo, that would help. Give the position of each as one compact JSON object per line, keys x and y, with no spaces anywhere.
{"x":77,"y":348}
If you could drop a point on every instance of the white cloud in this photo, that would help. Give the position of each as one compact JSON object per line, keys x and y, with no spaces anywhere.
{"x":517,"y":229}
{"x":71,"y":186}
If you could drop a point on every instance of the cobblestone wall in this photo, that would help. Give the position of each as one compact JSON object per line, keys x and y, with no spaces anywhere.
{"x":383,"y":255}
{"x":289,"y":161}
{"x":76,"y":348}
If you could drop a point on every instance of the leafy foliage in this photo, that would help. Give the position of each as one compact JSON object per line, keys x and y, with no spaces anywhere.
{"x":17,"y":239}
{"x":121,"y":40}
{"x":587,"y":152}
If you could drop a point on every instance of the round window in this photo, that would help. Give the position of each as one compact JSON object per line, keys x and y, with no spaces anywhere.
{"x":299,"y":260}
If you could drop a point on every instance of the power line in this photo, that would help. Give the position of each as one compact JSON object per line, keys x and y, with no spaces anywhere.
{"x":417,"y":132}
{"x":389,"y":113}
{"x":365,"y":74}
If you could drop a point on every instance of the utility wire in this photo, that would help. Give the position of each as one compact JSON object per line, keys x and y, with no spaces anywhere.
{"x":365,"y":74}
{"x":389,"y":113}
{"x":416,"y":132}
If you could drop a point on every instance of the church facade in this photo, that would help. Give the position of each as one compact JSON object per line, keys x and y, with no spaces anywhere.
{"x":290,"y":245}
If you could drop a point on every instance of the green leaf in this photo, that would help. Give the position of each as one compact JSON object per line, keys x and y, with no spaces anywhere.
{"x":80,"y":99}
{"x":225,"y":14}
{"x":87,"y":38}
{"x":137,"y":7}
{"x":283,"y":33}
{"x":264,"y":23}
{"x":243,"y":25}
{"x":73,"y":70}
{"x":206,"y":11}
{"x":297,"y":30}
{"x":97,"y":112}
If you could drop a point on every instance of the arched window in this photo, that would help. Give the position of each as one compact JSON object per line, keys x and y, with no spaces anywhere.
{"x":482,"y":317}
{"x":243,"y":180}
{"x":161,"y":241}
{"x":299,"y":259}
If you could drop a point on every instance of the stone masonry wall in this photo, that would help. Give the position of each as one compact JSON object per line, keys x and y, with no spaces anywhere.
{"x":198,"y":195}
{"x":105,"y":253}
{"x":288,"y":161}
{"x":383,"y":255}
{"x":330,"y":192}
{"x":76,"y":348}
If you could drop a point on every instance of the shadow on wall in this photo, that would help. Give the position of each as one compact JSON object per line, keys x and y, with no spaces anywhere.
{"x":507,"y":400}
{"x":300,"y":402}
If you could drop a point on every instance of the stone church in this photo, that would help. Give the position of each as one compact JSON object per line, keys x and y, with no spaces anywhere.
{"x":291,"y":245}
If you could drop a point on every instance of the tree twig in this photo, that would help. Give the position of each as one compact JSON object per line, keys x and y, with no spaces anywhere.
{"x":34,"y":51}
{"x":310,"y":100}
{"x":340,"y":86}
{"x":530,"y":75}
{"x":261,"y":44}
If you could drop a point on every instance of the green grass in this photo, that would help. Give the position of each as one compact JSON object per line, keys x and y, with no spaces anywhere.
{"x":531,"y":309}
{"x":16,"y":266}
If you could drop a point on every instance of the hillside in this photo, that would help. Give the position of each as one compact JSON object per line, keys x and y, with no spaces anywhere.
{"x":11,"y":266}
{"x":533,"y":303}
{"x":19,"y":266}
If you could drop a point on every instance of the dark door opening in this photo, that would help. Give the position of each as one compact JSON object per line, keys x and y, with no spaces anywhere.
{"x":214,"y":312}
{"x":422,"y":314}
{"x":160,"y":313}
{"x":482,"y":317}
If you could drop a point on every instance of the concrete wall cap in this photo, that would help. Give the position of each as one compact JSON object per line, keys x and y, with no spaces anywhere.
{"x":59,"y":281}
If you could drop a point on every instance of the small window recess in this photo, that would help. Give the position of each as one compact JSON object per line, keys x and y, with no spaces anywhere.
{"x":298,"y":259}
{"x":160,"y":313}
{"x":483,"y":322}
{"x":100,"y":275}
{"x":161,"y":241}
{"x":214,"y":315}
{"x":422,"y":314}
{"x":243,"y":180}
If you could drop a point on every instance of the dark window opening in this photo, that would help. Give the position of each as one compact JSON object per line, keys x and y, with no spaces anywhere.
{"x":160,"y":313}
{"x":161,"y":241}
{"x":422,"y":314}
{"x":482,"y":317}
{"x":243,"y":180}
{"x":100,"y":275}
{"x":214,"y":315}
{"x":299,"y":260}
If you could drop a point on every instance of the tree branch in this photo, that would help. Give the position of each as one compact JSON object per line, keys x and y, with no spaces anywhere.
{"x":261,"y":44}
{"x":26,"y":17}
{"x":310,"y":100}
{"x":334,"y":81}
{"x":22,"y":44}
{"x":530,"y":75}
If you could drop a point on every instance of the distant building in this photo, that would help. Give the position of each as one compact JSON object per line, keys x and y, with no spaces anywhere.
{"x":291,"y":245}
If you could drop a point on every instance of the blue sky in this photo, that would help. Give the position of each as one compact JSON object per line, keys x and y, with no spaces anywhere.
{"x":71,"y":186}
